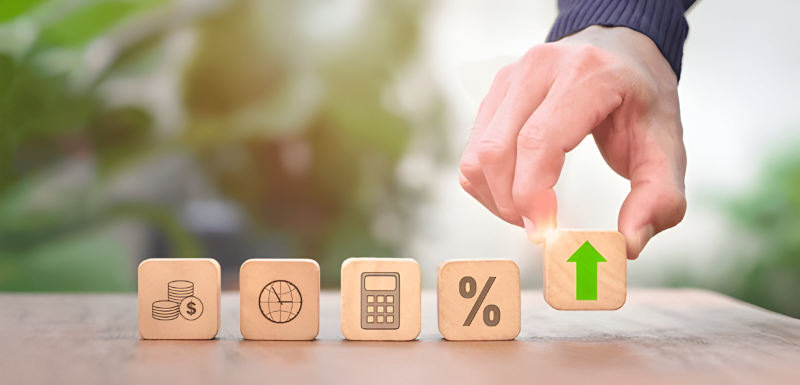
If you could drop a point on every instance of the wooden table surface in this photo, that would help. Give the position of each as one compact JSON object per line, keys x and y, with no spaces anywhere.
{"x":659,"y":336}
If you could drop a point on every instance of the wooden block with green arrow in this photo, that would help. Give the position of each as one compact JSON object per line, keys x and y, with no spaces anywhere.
{"x":585,"y":270}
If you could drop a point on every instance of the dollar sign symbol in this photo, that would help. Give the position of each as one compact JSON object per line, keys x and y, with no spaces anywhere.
{"x":191,"y":310}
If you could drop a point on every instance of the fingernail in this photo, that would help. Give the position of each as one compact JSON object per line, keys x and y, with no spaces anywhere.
{"x":535,"y":235}
{"x":530,"y":228}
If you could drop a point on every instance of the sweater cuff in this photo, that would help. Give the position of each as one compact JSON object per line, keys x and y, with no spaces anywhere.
{"x":660,"y":20}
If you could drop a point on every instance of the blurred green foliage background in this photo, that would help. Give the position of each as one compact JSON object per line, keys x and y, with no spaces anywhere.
{"x":289,"y":130}
{"x":760,"y":262}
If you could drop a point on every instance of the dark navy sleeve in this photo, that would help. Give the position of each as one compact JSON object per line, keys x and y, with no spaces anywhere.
{"x":660,"y":20}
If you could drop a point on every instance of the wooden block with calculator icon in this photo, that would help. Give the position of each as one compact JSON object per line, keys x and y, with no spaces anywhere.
{"x":179,"y":299}
{"x":585,"y":270}
{"x":479,"y":300}
{"x":279,"y":299}
{"x":381,"y":299}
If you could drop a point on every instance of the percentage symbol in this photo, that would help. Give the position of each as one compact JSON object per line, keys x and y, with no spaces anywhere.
{"x":468,"y":288}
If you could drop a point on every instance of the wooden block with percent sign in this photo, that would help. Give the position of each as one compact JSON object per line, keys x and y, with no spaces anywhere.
{"x":585,"y":270}
{"x":479,"y":300}
{"x":179,"y":299}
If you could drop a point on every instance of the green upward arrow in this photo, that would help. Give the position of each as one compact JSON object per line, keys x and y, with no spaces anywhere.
{"x":586,"y":259}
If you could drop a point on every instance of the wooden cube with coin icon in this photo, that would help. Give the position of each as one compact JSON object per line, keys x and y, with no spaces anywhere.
{"x":279,"y":299}
{"x":179,"y":299}
{"x":585,"y":270}
{"x":381,"y":299}
{"x":479,"y":300}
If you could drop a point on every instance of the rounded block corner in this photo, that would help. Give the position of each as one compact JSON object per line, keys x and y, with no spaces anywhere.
{"x":314,"y":334}
{"x":347,"y":263}
{"x":247,"y":262}
{"x":311,"y":262}
{"x":416,"y":335}
{"x":213,"y":262}
{"x":443,"y":264}
{"x":145,"y":263}
{"x":622,"y":303}
{"x":549,"y":302}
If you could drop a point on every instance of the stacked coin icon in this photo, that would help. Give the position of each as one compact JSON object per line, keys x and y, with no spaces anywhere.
{"x":166,"y":310}
{"x":178,"y":290}
{"x":180,"y":301}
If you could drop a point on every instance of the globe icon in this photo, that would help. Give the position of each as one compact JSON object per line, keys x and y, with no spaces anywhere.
{"x":280,"y":301}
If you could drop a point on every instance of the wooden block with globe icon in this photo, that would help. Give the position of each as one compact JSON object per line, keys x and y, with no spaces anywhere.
{"x":279,"y":299}
{"x":585,"y":270}
{"x":381,"y":299}
{"x":179,"y":299}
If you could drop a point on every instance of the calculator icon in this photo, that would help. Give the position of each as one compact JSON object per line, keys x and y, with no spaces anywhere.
{"x":380,"y":301}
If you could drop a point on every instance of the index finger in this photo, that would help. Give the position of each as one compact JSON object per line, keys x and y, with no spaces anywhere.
{"x":569,"y":112}
{"x":471,"y":175}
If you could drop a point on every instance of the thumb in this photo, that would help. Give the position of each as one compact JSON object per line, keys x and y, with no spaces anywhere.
{"x":651,"y":207}
{"x":657,"y":169}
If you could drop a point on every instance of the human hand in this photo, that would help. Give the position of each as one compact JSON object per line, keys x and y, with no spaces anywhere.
{"x":612,"y":83}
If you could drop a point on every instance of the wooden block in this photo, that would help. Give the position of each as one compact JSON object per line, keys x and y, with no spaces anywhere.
{"x":279,"y":299}
{"x":381,"y":299}
{"x":585,"y":270}
{"x":479,"y":300}
{"x":179,"y":299}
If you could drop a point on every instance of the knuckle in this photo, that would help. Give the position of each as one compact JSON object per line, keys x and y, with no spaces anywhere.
{"x":536,"y":55}
{"x":589,"y":61}
{"x":490,"y":150}
{"x":671,"y":203}
{"x":508,"y":213}
{"x":466,"y":185}
{"x":532,"y":138}
{"x":470,"y":166}
{"x":678,"y":203}
{"x":504,"y":73}
{"x":591,"y":54}
{"x":520,"y":194}
{"x":542,"y":50}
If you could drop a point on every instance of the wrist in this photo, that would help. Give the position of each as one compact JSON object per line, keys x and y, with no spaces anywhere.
{"x":632,"y":46}
{"x":662,"y":21}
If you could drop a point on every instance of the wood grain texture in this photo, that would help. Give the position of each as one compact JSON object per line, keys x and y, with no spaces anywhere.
{"x":295,"y":316}
{"x":560,"y":275}
{"x":658,"y":337}
{"x":179,"y":299}
{"x":405,"y":302}
{"x":455,"y":307}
